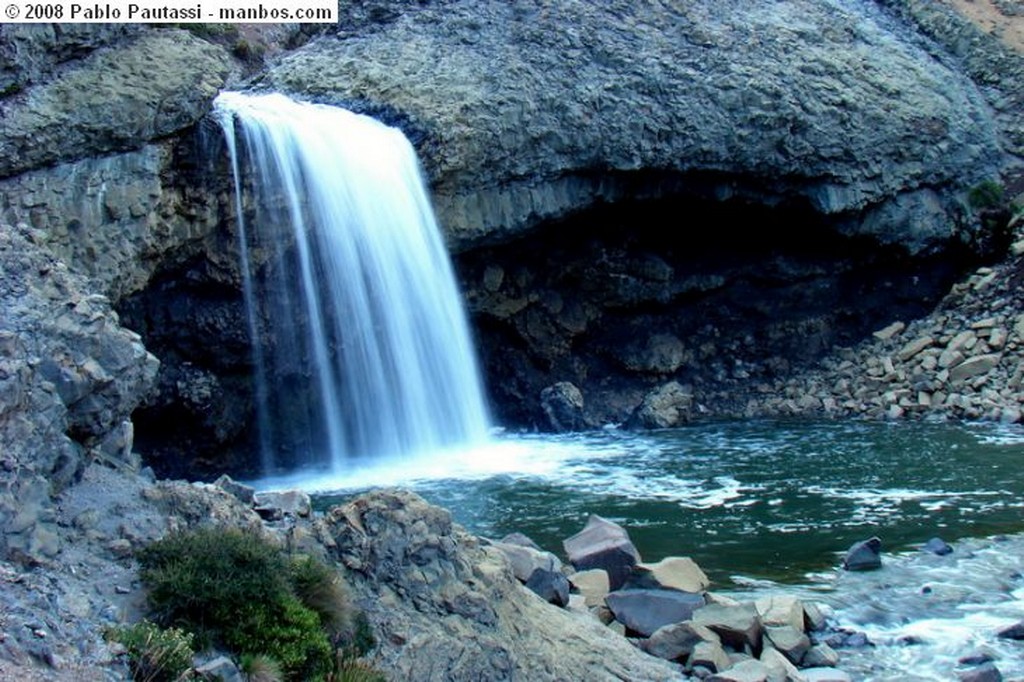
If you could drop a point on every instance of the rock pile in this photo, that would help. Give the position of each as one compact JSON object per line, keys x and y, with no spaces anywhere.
{"x":964,"y":361}
{"x":665,"y":608}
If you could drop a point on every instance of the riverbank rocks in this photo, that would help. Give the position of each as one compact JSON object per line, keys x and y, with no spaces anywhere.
{"x":645,"y":611}
{"x":864,"y":556}
{"x":445,"y":605}
{"x":605,"y":545}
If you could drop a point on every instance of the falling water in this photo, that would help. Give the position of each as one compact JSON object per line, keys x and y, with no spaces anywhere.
{"x":360,"y":340}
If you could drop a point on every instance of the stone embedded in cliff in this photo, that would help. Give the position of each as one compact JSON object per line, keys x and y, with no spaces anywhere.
{"x":706,"y":99}
{"x":70,"y":377}
{"x":659,"y":354}
{"x":563,"y":406}
{"x":606,"y":545}
{"x":864,"y":556}
{"x":666,"y":406}
{"x":117,"y":98}
{"x":645,"y":611}
{"x":445,"y":606}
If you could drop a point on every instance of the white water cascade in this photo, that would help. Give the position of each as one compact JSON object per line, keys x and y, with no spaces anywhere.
{"x":361,"y":344}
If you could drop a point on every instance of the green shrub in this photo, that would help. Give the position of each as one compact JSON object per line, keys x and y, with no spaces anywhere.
{"x":261,"y":668}
{"x":319,"y":587}
{"x":155,"y":654}
{"x":352,"y":670}
{"x":235,"y":588}
{"x":986,"y":195}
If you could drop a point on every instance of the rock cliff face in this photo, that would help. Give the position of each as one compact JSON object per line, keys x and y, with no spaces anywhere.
{"x":528,"y":111}
{"x":568,"y":130}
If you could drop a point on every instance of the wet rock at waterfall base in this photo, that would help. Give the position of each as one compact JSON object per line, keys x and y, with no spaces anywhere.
{"x":864,"y":556}
{"x":645,"y":611}
{"x":551,"y":586}
{"x":1015,"y":631}
{"x":606,"y":545}
{"x":983,"y":673}
{"x":938,"y":547}
{"x":563,"y":406}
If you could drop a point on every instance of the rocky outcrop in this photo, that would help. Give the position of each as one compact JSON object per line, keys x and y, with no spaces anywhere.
{"x":530,"y":112}
{"x":70,"y":377}
{"x":963,"y":361}
{"x":113,"y":100}
{"x":444,"y":606}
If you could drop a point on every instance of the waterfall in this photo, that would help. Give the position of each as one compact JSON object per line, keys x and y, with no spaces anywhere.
{"x":360,"y":343}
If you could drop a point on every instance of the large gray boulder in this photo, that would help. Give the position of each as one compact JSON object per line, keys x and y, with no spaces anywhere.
{"x":606,"y":545}
{"x":531,"y":110}
{"x":444,"y":606}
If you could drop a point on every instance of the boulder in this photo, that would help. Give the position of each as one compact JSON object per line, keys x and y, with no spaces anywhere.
{"x":592,"y":584}
{"x":671,"y":573}
{"x":525,"y":560}
{"x":563,"y":405}
{"x":443,"y":605}
{"x":938,"y":546}
{"x":821,"y":656}
{"x":645,"y":611}
{"x":666,"y":406}
{"x":551,"y":586}
{"x":987,"y":672}
{"x":1015,"y":631}
{"x":744,"y":671}
{"x":738,"y":626}
{"x":864,"y":556}
{"x":676,"y":641}
{"x":780,"y":668}
{"x":276,"y":504}
{"x":244,"y":493}
{"x":972,"y":367}
{"x":814,"y":619}
{"x":782,"y":609}
{"x":606,"y":545}
{"x":791,"y":642}
{"x":709,"y":655}
{"x":825,"y":675}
